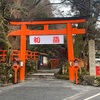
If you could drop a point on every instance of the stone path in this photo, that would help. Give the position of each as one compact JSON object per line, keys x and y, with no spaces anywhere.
{"x":44,"y":87}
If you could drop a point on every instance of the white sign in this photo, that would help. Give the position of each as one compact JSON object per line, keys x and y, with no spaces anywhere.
{"x":92,"y":58}
{"x":47,"y":39}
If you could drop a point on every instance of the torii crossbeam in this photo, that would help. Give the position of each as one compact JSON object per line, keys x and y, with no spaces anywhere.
{"x":68,"y":30}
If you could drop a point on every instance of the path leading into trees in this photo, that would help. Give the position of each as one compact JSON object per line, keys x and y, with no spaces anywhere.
{"x":46,"y":87}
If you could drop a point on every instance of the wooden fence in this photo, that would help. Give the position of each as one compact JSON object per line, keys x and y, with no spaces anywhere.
{"x":16,"y":54}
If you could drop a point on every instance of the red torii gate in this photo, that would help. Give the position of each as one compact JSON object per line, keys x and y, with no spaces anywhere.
{"x":68,"y":30}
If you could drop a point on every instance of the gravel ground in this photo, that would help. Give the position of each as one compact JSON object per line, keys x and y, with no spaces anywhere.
{"x":43,"y":88}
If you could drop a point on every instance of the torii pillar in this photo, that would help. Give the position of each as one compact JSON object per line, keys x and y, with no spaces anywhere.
{"x":23,"y":51}
{"x":70,"y":42}
{"x":68,"y":31}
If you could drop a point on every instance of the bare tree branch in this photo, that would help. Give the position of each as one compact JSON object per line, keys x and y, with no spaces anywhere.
{"x":36,"y":2}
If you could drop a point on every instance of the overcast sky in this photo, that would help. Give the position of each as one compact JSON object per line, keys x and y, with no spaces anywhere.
{"x":64,"y":11}
{"x":55,"y":1}
{"x":60,"y":10}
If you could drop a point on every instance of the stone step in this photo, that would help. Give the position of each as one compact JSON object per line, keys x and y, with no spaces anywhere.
{"x":48,"y":71}
{"x":43,"y":74}
{"x":47,"y":76}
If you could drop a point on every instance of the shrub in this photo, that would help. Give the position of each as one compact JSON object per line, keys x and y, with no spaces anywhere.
{"x":31,"y":66}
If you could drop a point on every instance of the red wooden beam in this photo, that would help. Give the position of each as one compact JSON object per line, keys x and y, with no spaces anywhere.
{"x":78,"y":31}
{"x":47,"y":32}
{"x":48,"y":22}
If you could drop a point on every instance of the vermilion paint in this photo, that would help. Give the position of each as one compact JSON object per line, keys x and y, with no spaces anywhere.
{"x":68,"y":31}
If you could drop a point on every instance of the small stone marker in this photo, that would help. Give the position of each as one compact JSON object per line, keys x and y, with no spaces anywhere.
{"x":92,"y":68}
